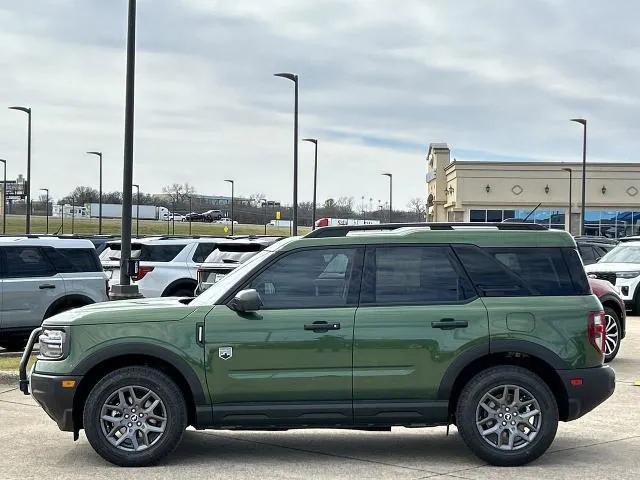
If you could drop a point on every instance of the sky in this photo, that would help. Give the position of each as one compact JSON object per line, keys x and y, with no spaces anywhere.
{"x":379,"y":81}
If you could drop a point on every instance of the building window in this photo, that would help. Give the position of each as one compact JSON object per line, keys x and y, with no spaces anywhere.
{"x":612,"y":224}
{"x":549,"y":218}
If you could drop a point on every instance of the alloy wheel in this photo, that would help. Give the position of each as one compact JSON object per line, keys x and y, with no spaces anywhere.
{"x":612,"y":335}
{"x":133,"y":418}
{"x":508,"y":417}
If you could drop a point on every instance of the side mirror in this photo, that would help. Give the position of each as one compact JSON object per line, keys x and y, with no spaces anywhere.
{"x":246,"y":301}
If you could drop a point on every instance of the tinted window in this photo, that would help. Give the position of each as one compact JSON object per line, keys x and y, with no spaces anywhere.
{"x":587,"y":253}
{"x":522,"y":271}
{"x":23,"y":262}
{"x":413,"y":275}
{"x":311,"y":278}
{"x":202,"y":251}
{"x":75,"y":260}
{"x":159,"y":253}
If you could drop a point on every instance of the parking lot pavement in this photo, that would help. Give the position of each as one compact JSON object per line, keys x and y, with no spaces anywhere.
{"x":603,"y":445}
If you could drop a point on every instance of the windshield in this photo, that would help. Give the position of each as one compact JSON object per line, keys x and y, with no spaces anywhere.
{"x":218,"y":289}
{"x":622,"y":254}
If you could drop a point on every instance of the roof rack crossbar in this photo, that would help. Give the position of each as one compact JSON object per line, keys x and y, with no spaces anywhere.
{"x":342,"y":231}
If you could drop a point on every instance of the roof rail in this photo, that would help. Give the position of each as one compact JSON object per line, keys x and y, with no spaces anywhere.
{"x":342,"y":231}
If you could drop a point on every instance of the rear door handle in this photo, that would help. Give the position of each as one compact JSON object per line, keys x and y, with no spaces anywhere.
{"x":46,"y":286}
{"x":322,"y":326}
{"x":450,"y":324}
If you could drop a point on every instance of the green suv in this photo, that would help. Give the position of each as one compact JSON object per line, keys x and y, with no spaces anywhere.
{"x":492,"y":328}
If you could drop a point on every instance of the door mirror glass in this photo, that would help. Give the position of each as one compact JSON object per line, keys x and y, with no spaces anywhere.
{"x":246,"y":301}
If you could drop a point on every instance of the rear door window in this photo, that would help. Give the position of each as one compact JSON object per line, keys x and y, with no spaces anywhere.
{"x":587,"y":253}
{"x":25,"y":262}
{"x":415,"y":275}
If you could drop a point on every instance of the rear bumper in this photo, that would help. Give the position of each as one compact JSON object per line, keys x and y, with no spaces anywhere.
{"x":597,"y":385}
{"x":56,"y":400}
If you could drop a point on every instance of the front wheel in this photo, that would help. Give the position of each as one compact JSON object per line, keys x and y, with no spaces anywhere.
{"x":135,"y":416}
{"x":507,"y":416}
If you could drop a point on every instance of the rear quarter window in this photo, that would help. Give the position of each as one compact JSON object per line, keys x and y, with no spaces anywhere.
{"x":524,"y":271}
{"x":75,"y":260}
{"x":159,"y":253}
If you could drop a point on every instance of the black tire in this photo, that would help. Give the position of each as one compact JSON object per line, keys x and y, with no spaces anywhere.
{"x":173,"y":404}
{"x":468,"y":407}
{"x":183,"y":292}
{"x":612,"y":315}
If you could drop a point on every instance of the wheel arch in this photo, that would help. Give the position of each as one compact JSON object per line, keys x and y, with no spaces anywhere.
{"x":94,"y":367}
{"x":180,"y":283}
{"x":612,"y":303}
{"x":69,"y":301}
{"x":533,"y":357}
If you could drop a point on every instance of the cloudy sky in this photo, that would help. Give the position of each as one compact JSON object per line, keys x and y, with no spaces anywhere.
{"x":379,"y":81}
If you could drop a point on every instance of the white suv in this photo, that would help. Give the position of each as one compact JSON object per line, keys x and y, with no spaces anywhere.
{"x":43,"y":276}
{"x":621,"y":267}
{"x":168,"y":265}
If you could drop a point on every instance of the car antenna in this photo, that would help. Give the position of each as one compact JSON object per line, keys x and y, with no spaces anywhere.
{"x":531,"y":212}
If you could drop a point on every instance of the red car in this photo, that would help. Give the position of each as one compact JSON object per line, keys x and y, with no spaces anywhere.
{"x":615,"y":315}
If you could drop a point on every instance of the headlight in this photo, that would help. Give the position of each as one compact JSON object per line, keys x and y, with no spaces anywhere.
{"x":52,"y":345}
{"x":627,"y":274}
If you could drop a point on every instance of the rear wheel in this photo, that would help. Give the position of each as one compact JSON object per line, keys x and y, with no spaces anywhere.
{"x":14,"y":344}
{"x":135,"y":416}
{"x":612,"y":334}
{"x":507,"y":416}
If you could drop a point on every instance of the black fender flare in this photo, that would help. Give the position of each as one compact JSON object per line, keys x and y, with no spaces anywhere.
{"x":496,"y":346}
{"x":148,"y":350}
{"x":181,"y":281}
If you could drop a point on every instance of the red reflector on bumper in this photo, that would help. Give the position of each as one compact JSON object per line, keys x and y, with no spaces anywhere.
{"x":576,"y":382}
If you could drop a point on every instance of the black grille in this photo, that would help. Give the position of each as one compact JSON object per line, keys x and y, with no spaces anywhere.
{"x":608,"y":276}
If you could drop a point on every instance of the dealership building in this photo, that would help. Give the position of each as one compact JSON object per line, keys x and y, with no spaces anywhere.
{"x":490,"y":191}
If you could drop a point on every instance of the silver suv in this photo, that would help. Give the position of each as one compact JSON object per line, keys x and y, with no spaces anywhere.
{"x":43,"y":276}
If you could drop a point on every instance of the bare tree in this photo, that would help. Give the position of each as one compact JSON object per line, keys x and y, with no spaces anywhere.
{"x":419,"y":207}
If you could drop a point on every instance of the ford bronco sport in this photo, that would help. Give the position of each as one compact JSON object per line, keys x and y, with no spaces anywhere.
{"x":492,"y":328}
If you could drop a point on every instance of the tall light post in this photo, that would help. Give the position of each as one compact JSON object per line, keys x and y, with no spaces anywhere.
{"x":73,"y":213}
{"x":232,"y":197}
{"x":263,"y":202}
{"x":4,"y":198}
{"x":294,"y":78}
{"x":190,"y":212}
{"x":137,"y":187}
{"x":583,"y":122}
{"x":47,"y":206}
{"x":570,"y":193}
{"x":315,"y":179}
{"x":27,"y":110}
{"x":390,"y":193}
{"x":99,"y":155}
{"x":124,"y":289}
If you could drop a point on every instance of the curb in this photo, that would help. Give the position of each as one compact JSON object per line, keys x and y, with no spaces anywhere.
{"x":9,"y":377}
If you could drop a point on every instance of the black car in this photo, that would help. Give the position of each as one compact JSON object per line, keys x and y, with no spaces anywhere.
{"x":194,"y":217}
{"x":593,"y":249}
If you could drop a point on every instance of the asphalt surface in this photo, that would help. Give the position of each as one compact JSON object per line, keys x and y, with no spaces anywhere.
{"x":603,"y":445}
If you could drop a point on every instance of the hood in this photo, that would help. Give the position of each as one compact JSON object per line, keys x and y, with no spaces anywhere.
{"x":124,"y":311}
{"x":612,"y":267}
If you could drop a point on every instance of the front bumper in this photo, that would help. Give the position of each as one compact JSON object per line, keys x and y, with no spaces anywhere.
{"x":597,"y":384}
{"x":55,"y":399}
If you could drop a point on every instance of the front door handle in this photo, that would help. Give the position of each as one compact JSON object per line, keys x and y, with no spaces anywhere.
{"x":46,"y":286}
{"x":322,"y":326}
{"x":449,"y":324}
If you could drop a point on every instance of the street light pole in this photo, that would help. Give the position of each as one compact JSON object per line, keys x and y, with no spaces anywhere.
{"x":190,"y":214}
{"x":137,"y":209}
{"x":4,"y":198}
{"x":27,"y":110}
{"x":294,"y":78}
{"x":99,"y":155}
{"x":315,"y":179}
{"x":583,"y":122}
{"x":570,"y":193}
{"x":124,"y":289}
{"x":47,"y":206}
{"x":390,"y":193}
{"x":73,"y":214}
{"x":232,"y":195}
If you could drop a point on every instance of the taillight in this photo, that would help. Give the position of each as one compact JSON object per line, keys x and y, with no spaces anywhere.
{"x":597,"y":330}
{"x":142,"y":271}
